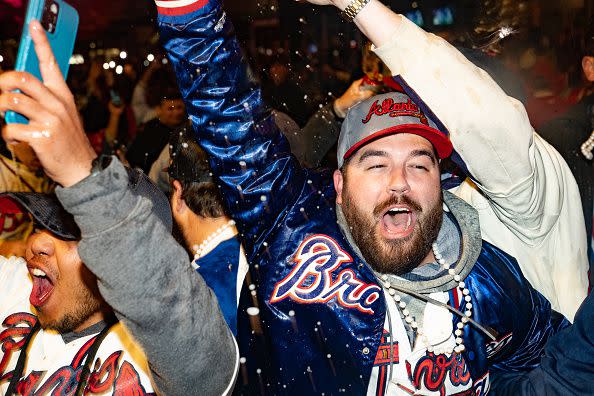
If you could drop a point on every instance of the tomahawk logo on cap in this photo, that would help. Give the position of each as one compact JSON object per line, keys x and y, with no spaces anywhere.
{"x":395,"y":109}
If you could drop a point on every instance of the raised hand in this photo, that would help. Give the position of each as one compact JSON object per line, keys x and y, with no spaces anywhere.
{"x":54,"y":131}
{"x":351,"y":97}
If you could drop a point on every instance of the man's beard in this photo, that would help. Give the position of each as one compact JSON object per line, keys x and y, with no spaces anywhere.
{"x":393,"y":256}
{"x":88,"y":304}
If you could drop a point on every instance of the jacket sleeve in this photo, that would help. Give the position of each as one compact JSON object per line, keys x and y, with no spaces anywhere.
{"x":521,"y":174}
{"x":565,"y":368}
{"x":257,"y":175}
{"x":146,"y":277}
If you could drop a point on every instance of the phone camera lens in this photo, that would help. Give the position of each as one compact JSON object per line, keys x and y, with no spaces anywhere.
{"x":49,"y":17}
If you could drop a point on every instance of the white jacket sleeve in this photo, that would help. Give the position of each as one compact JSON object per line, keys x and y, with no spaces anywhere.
{"x":527,"y":186}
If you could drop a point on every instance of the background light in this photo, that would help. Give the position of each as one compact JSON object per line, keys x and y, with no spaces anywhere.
{"x":76,"y":59}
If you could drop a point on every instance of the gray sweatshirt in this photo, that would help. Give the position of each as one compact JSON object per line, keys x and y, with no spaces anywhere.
{"x":144,"y":274}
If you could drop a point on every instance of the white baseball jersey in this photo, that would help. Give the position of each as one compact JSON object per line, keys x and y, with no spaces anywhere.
{"x":52,"y":365}
{"x":403,"y":369}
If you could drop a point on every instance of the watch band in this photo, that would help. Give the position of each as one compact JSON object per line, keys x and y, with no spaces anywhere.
{"x":100,"y":163}
{"x":351,"y":11}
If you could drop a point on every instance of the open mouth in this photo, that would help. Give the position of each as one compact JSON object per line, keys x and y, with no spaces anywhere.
{"x":399,"y":221}
{"x":42,"y":287}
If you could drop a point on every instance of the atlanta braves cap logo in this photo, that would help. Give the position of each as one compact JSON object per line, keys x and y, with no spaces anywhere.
{"x":395,"y":109}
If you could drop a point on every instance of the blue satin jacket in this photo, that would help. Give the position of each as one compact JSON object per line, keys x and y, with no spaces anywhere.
{"x":321,"y":309}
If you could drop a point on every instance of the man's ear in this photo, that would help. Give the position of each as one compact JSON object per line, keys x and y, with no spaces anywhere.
{"x":178,"y":205}
{"x":338,"y":183}
{"x":588,"y":67}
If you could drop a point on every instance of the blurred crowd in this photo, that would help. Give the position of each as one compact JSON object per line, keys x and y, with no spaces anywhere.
{"x":131,"y":111}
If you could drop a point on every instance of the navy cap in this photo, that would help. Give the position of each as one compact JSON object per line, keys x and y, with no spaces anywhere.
{"x":49,"y":213}
{"x":46,"y":210}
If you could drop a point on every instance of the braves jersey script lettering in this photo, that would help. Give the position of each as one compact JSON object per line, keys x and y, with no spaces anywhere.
{"x":431,"y":372}
{"x":110,"y":376}
{"x":17,"y":327}
{"x":114,"y":375}
{"x":313,"y":279}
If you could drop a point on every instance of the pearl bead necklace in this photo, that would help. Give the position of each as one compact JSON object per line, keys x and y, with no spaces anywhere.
{"x":588,"y":146}
{"x":202,"y":248}
{"x":410,"y":320}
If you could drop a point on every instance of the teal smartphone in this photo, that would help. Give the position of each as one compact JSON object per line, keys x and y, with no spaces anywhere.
{"x":60,"y":22}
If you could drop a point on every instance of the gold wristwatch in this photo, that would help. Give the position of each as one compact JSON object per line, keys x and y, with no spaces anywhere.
{"x":351,"y":11}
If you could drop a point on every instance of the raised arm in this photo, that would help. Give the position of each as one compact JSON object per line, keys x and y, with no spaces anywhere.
{"x":249,"y":156}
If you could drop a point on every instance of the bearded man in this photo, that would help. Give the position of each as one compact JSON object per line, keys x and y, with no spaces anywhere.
{"x":373,"y":277}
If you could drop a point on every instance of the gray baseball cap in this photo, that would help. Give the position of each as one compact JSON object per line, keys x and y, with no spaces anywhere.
{"x":388,"y":114}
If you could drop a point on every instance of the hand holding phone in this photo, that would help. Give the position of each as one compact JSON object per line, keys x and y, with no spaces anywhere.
{"x":60,"y":23}
{"x":54,"y":131}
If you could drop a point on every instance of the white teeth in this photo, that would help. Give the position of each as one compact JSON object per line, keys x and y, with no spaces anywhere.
{"x":38,"y":272}
{"x":398,"y":210}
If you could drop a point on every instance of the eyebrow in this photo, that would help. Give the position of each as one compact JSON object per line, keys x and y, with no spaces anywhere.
{"x":372,"y":153}
{"x":421,"y":152}
{"x":381,"y":153}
